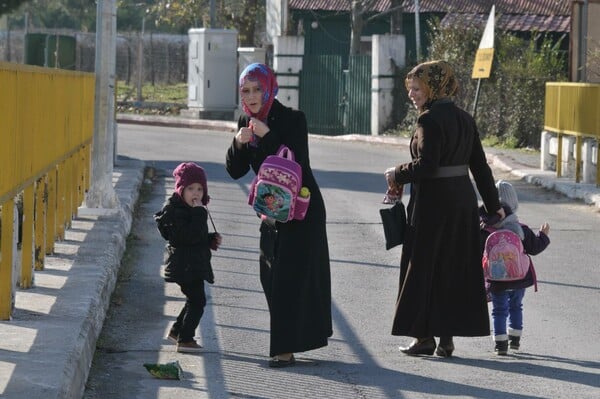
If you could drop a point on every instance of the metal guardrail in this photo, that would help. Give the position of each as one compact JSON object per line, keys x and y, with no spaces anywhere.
{"x":45,"y":155}
{"x":573,"y":109}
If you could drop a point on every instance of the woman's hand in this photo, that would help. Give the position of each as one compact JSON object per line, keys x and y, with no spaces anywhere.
{"x":390,"y":178}
{"x":259,"y":127}
{"x":243,"y":136}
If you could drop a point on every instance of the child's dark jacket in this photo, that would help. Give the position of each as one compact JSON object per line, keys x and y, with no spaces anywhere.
{"x":187,"y":252}
{"x":533,"y":244}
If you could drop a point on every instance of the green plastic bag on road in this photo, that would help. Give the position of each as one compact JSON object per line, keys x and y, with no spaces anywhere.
{"x":167,"y":371}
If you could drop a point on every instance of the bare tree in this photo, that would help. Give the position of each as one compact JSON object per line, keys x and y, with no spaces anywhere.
{"x":359,"y":10}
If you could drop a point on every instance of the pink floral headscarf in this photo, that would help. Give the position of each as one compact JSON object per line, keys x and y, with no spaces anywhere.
{"x":268,"y":83}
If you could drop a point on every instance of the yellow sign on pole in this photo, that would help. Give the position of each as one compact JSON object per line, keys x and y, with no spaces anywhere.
{"x":483,"y":63}
{"x":482,"y":67}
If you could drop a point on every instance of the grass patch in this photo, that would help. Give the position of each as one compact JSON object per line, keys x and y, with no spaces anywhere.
{"x":159,"y":93}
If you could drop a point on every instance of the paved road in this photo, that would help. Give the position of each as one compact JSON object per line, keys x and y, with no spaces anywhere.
{"x":559,"y":358}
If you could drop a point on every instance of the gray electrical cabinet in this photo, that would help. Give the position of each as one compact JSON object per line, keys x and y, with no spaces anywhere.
{"x":212,"y":73}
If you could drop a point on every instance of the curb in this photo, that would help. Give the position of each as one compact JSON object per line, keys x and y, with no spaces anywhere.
{"x":79,"y":279}
{"x":173,"y":121}
{"x":127,"y":188}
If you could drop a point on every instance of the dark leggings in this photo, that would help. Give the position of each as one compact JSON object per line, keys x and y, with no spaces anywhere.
{"x":190,"y":315}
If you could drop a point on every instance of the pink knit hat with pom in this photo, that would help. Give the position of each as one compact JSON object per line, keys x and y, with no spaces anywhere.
{"x":187,"y":173}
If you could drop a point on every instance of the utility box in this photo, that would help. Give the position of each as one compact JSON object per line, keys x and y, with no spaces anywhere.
{"x":51,"y":51}
{"x":212,"y":74}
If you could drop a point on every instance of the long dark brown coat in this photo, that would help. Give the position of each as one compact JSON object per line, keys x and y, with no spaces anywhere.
{"x":441,"y":279}
{"x":294,"y":260}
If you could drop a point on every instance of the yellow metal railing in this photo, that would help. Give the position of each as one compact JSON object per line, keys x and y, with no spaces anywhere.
{"x":573,"y":109}
{"x":45,"y":154}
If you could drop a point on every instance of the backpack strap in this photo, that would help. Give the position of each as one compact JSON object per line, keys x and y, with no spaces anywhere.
{"x":285,"y":152}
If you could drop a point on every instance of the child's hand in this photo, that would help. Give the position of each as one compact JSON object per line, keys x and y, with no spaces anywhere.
{"x":215,"y":243}
{"x":545,"y":228}
{"x":500,"y":212}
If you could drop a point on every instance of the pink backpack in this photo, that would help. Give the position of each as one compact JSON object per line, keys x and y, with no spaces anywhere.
{"x":274,"y":190}
{"x":504,"y":258}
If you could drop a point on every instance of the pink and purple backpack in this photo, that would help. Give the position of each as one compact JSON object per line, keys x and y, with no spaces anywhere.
{"x":274,"y":191}
{"x":504,"y":258}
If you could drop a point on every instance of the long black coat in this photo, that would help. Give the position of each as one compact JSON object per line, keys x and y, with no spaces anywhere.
{"x":441,"y":279}
{"x":294,"y":259}
{"x":188,"y":249}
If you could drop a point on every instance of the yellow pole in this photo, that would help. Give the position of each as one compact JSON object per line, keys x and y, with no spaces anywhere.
{"x":27,"y":243}
{"x":6,"y":261}
{"x":60,"y":201}
{"x":559,"y":156}
{"x":40,"y":223}
{"x":578,"y":159}
{"x":51,"y":213}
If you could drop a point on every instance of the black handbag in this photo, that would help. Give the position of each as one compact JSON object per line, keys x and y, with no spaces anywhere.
{"x":394,"y":224}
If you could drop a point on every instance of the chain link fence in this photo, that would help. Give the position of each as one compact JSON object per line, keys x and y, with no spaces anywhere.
{"x":157,"y":58}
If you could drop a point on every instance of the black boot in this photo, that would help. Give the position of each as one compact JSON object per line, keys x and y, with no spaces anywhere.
{"x":420,"y":346}
{"x":501,"y":348}
{"x":446,"y":347}
{"x":515,"y":342}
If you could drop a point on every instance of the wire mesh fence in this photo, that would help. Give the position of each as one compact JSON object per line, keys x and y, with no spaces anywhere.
{"x":153,"y":58}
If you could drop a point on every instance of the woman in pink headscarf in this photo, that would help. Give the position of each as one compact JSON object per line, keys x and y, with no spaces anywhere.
{"x":294,"y":256}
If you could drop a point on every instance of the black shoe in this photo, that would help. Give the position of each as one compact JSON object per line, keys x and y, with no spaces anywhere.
{"x":446,"y":347}
{"x":422,"y":346}
{"x":515,"y":342}
{"x":276,"y":362}
{"x":501,"y":348}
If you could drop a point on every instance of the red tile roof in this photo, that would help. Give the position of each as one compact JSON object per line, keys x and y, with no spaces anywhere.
{"x":514,"y":22}
{"x":333,"y":5}
{"x":535,"y":7}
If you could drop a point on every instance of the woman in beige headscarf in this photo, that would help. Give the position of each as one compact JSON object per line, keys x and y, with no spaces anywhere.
{"x":441,"y":281}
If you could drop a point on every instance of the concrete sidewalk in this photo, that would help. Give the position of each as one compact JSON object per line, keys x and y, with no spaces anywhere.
{"x":46,"y":351}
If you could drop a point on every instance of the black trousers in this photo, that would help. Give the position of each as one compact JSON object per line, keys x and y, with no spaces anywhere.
{"x":190,"y":315}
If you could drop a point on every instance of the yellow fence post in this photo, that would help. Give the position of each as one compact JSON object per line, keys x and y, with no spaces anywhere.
{"x":43,"y":136}
{"x":6,"y":260}
{"x":60,"y":201}
{"x":559,"y":155}
{"x":27,"y":239}
{"x":40,"y":223}
{"x":51,"y":213}
{"x":597,"y":163}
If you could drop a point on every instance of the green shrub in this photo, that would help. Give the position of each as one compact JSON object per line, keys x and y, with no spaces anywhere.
{"x":511,"y":102}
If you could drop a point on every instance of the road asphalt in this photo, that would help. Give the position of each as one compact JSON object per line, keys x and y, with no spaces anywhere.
{"x":48,"y":346}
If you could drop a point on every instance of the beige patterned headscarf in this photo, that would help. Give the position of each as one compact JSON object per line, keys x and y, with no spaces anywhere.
{"x":437,"y":76}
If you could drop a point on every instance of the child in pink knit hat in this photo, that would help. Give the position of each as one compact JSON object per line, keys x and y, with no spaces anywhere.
{"x":183,"y":222}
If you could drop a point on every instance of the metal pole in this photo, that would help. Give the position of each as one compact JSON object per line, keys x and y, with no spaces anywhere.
{"x":476,"y":98}
{"x":101,"y":193}
{"x":141,"y":61}
{"x":418,"y":30}
{"x":583,"y":44}
{"x":213,"y":19}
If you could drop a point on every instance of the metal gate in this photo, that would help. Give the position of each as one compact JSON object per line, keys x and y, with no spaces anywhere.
{"x":336,"y":101}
